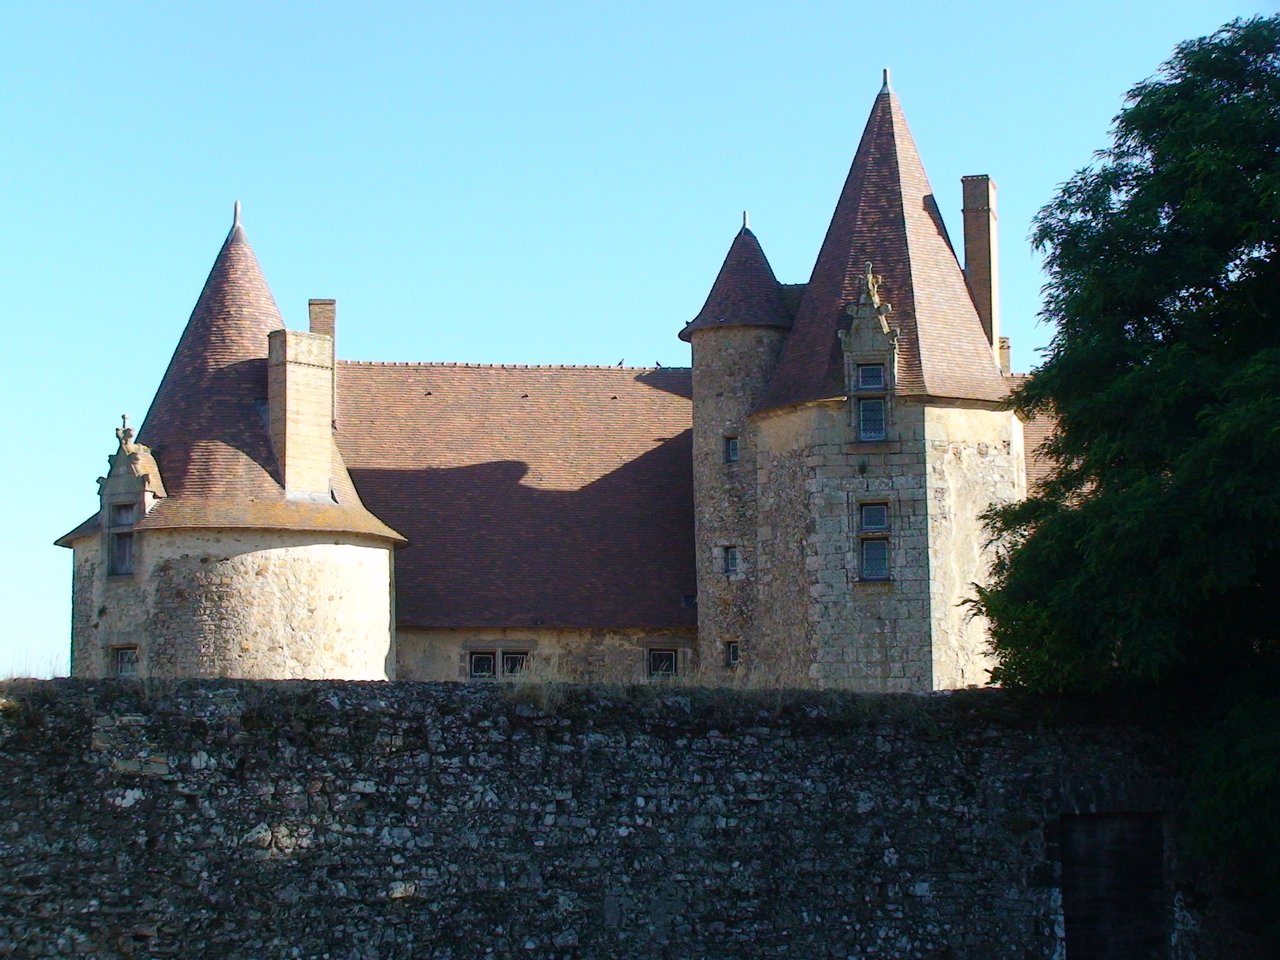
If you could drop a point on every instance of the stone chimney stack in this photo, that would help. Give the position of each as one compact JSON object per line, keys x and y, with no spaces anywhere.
{"x":981,"y":263}
{"x":323,"y":315}
{"x":300,"y":408}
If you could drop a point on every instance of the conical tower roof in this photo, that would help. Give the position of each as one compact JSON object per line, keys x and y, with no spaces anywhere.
{"x":207,"y":425}
{"x":887,"y":216}
{"x":745,"y":294}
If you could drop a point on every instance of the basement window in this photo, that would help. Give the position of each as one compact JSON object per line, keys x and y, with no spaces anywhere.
{"x":482,"y":664}
{"x":124,"y":661}
{"x":662,"y":663}
{"x":495,"y":664}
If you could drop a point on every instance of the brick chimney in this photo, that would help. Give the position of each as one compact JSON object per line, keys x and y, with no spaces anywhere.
{"x":981,"y":263}
{"x":323,"y":315}
{"x":300,"y":408}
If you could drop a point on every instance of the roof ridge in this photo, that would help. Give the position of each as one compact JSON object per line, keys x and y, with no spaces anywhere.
{"x":502,"y":366}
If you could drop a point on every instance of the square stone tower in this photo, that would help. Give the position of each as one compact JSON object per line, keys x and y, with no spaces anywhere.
{"x":862,"y":437}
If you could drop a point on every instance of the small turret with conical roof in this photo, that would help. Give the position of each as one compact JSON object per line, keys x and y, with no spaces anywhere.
{"x":736,"y":337}
{"x":231,"y":572}
{"x":745,"y":293}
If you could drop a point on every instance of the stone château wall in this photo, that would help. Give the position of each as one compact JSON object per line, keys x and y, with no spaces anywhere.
{"x":344,"y":820}
{"x":239,"y":603}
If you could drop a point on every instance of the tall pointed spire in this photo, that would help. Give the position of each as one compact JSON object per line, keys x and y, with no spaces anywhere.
{"x":203,"y":425}
{"x":887,"y":215}
{"x":207,"y":426}
{"x":745,"y":292}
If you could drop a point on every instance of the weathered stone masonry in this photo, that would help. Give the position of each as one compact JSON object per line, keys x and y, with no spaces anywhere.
{"x":236,"y":820}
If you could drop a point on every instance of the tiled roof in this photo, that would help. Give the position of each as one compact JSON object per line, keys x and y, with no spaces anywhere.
{"x":887,"y":215}
{"x":531,"y":496}
{"x":745,"y":294}
{"x":207,"y":424}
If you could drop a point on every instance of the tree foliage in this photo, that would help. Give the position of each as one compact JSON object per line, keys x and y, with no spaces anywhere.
{"x":1152,"y":554}
{"x":1150,"y":558}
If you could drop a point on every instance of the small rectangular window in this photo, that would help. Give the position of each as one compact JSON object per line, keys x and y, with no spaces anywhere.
{"x":730,"y":560}
{"x":124,"y":662}
{"x":875,"y":559}
{"x":871,"y":419}
{"x":482,"y":664}
{"x":731,"y":653}
{"x":873,"y":517}
{"x":513,"y":662}
{"x":730,"y":449}
{"x":662,"y":663}
{"x":120,"y":558}
{"x":122,"y":514}
{"x":871,"y":376}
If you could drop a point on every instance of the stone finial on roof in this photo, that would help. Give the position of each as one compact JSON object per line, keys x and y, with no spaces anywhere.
{"x":885,"y":86}
{"x":235,"y":217}
{"x":869,"y":306}
{"x":124,"y":433}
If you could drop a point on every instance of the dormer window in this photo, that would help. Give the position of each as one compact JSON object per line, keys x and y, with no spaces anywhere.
{"x":121,"y":517}
{"x":871,"y":410}
{"x":871,"y":376}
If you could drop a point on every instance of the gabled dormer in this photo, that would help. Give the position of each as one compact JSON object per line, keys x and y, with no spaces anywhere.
{"x":128,"y":492}
{"x":887,"y":214}
{"x":870,"y":347}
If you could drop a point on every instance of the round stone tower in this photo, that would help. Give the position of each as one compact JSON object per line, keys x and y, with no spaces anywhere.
{"x":229,"y":540}
{"x":736,"y":339}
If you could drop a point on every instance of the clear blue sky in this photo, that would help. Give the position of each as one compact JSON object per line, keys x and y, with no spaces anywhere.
{"x":501,"y":182}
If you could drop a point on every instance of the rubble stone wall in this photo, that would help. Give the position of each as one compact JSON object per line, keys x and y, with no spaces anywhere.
{"x":344,"y":820}
{"x":975,"y":461}
{"x":731,"y":370}
{"x":238,"y":603}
